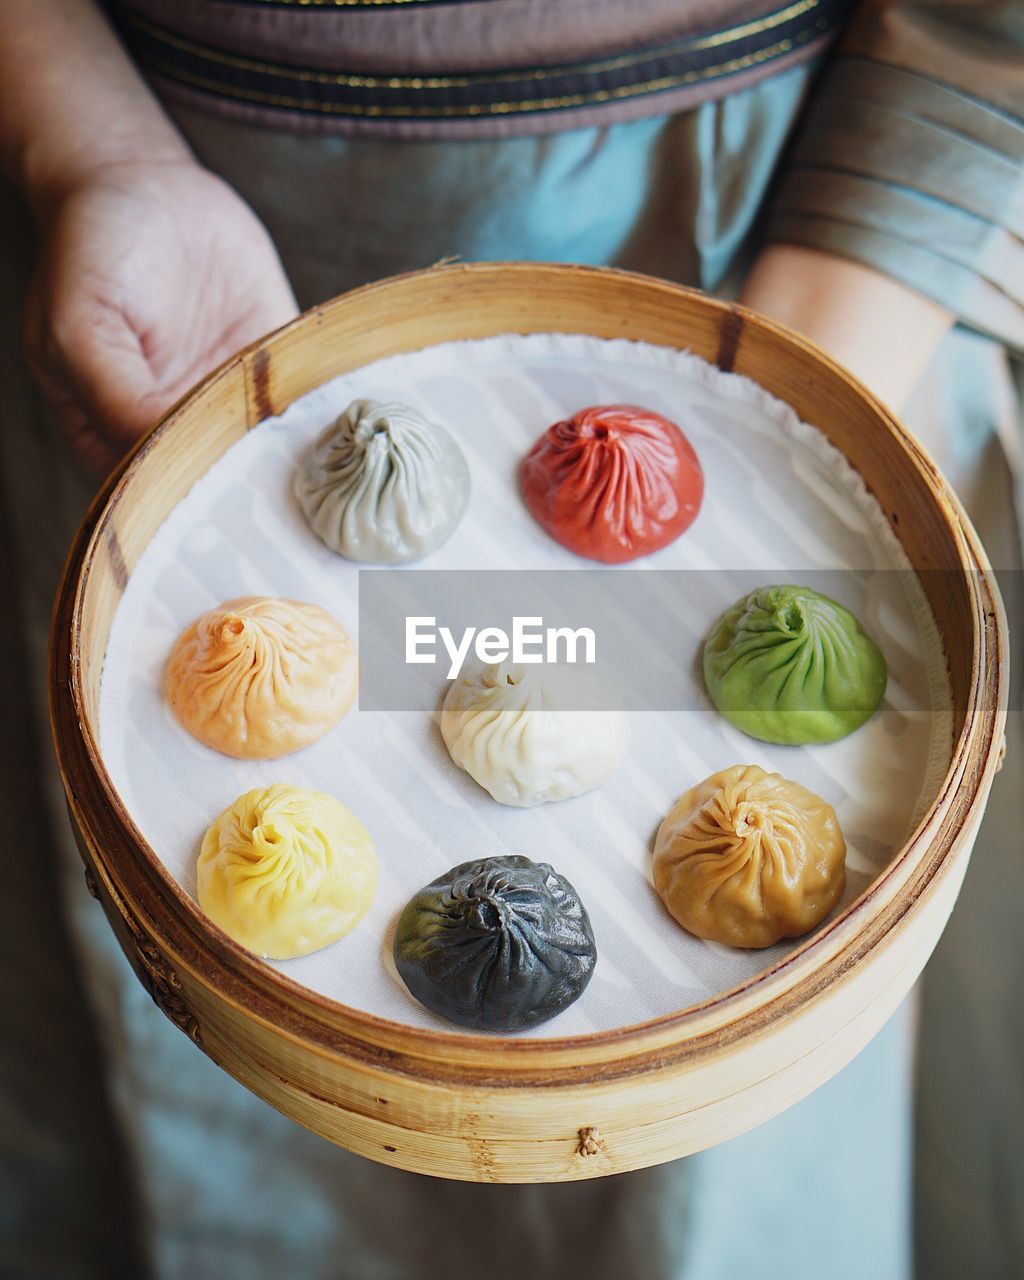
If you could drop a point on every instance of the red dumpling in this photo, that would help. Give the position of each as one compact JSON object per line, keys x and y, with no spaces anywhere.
{"x":613,"y":482}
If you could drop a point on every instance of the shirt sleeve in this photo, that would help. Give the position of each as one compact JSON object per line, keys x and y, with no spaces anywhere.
{"x":911,"y":156}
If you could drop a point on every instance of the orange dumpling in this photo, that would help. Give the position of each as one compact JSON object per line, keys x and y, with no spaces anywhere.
{"x":259,"y":677}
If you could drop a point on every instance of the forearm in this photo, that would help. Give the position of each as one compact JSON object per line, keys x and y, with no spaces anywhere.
{"x":881,"y":330}
{"x":72,"y":101}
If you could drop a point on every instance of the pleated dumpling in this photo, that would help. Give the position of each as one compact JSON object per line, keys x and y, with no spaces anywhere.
{"x":613,"y":482}
{"x":383,"y":485}
{"x":259,"y":677}
{"x":786,"y":664}
{"x":285,"y":871}
{"x":501,"y":944}
{"x":748,"y":857}
{"x":518,"y":731}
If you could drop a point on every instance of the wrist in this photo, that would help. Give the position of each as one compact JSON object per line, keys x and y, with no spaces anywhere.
{"x":72,"y":104}
{"x":882,"y":331}
{"x":50,"y":175}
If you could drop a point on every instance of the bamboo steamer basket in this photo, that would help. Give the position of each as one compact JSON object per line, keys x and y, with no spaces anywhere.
{"x":530,"y":1110}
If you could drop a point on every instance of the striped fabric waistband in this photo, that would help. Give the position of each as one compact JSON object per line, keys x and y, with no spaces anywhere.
{"x":659,"y":78}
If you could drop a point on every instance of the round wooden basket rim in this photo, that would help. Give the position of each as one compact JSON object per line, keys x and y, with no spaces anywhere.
{"x":432,"y":1043}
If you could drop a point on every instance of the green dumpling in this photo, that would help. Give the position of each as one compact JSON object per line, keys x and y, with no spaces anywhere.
{"x":786,"y":664}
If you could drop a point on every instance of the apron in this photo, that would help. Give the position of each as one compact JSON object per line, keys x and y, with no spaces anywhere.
{"x":201,"y":1178}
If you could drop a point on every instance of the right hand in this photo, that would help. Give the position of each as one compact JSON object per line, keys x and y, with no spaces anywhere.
{"x":151,"y":274}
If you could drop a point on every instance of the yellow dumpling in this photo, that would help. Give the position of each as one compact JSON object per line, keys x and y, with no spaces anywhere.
{"x":258,"y":677}
{"x":286,"y":871}
{"x":748,"y":857}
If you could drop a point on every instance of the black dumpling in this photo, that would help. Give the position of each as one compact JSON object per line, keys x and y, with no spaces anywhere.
{"x":501,"y":944}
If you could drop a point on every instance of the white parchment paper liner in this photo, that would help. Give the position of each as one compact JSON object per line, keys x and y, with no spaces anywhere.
{"x":778,"y":498}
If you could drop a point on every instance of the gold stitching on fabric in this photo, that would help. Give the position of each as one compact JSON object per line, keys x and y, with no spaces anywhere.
{"x":490,"y":108}
{"x":712,"y":41}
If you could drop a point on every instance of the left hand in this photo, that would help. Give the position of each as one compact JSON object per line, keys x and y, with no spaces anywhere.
{"x":151,"y":274}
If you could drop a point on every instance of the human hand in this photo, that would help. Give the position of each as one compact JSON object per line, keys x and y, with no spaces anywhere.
{"x":878,"y":328}
{"x":151,"y":274}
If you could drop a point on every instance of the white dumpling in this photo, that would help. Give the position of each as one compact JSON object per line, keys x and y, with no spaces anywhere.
{"x":516,"y":731}
{"x":383,"y":485}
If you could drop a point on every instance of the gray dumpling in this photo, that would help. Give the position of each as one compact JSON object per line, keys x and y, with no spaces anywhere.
{"x":383,"y":484}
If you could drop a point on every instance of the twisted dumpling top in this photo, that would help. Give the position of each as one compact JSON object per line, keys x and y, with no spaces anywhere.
{"x":285,"y":871}
{"x":383,"y":485}
{"x":748,"y":857}
{"x":613,"y":482}
{"x":259,"y":677}
{"x":499,"y":944}
{"x":520,"y":733}
{"x":787,"y":664}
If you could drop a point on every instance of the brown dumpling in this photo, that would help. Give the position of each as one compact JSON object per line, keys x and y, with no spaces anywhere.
{"x":747,"y":857}
{"x":259,"y":677}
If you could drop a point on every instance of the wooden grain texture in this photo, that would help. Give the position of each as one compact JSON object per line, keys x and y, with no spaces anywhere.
{"x":487,"y":1108}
